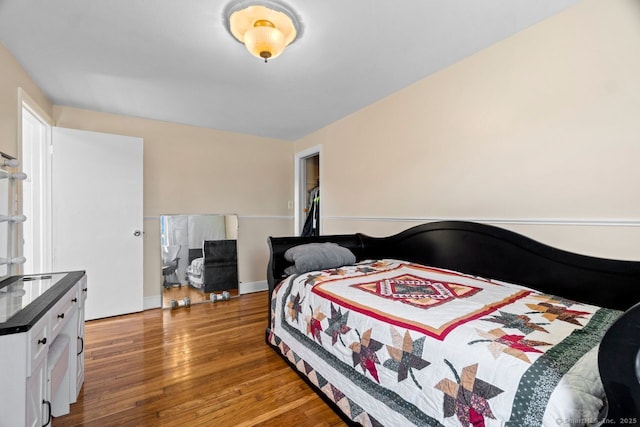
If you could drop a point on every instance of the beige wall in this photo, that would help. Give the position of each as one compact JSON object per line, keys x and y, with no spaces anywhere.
{"x":538,"y":133}
{"x":194,"y":170}
{"x":186,"y":170}
{"x":12,"y":77}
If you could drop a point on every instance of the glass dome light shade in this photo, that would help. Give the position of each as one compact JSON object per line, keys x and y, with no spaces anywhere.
{"x":264,"y":41}
{"x":265,"y":30}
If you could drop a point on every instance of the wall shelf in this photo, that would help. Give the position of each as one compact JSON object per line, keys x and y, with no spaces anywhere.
{"x":10,"y":219}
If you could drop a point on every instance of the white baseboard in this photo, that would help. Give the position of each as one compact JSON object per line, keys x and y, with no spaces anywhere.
{"x":247,"y":288}
{"x":153,"y":301}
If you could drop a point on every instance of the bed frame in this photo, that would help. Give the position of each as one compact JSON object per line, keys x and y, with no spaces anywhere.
{"x":496,"y":253}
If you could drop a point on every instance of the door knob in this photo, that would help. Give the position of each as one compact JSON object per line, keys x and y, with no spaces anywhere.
{"x":137,"y":233}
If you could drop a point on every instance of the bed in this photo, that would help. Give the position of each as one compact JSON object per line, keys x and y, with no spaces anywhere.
{"x":214,"y":267}
{"x":458,"y":323}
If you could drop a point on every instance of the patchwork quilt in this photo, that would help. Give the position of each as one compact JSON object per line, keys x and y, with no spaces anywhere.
{"x":397,"y":343}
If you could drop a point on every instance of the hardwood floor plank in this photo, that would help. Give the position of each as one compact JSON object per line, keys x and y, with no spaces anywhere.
{"x":205,"y":365}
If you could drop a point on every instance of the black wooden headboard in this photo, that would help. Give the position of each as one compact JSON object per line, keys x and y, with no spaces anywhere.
{"x":490,"y":252}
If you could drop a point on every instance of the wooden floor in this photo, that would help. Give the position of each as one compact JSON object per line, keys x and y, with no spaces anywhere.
{"x":207,"y":365}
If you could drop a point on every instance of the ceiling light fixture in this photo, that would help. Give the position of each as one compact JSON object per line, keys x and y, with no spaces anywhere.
{"x":265,"y":27}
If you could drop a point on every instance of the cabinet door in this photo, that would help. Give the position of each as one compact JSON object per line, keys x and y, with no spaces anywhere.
{"x":79,"y":378}
{"x":37,"y":409}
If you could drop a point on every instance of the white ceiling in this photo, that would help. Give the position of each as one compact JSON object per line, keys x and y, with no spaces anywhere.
{"x":174,"y":60}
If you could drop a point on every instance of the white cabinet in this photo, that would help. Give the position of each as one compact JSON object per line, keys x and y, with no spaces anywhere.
{"x":37,"y":407}
{"x":76,"y":351}
{"x":23,"y":361}
{"x":41,"y":349}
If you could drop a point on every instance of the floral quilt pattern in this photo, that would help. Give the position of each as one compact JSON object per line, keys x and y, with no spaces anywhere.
{"x":395,"y":343}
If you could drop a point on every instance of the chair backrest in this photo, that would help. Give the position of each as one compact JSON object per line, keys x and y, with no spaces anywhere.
{"x":169,"y":253}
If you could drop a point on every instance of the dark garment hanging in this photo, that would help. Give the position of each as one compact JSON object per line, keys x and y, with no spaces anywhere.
{"x":312,"y":222}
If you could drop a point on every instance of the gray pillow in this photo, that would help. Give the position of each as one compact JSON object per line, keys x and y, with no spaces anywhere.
{"x":318,"y":256}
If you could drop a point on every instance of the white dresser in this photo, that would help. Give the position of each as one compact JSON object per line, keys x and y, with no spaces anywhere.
{"x":41,"y":346}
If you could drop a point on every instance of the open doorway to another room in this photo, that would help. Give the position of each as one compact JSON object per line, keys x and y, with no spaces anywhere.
{"x":36,"y":191}
{"x":307,"y":213}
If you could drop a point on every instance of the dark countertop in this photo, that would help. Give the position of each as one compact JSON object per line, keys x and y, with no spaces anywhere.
{"x":25,"y":318}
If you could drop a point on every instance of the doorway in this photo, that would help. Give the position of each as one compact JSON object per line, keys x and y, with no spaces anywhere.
{"x":36,"y":192}
{"x":84,"y":209}
{"x":307,"y":192}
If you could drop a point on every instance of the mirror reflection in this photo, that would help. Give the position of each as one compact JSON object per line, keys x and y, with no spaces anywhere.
{"x":199,"y":256}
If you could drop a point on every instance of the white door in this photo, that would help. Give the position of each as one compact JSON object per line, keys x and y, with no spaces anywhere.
{"x":97,"y":217}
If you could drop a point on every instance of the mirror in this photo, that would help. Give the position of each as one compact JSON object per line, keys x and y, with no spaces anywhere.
{"x":199,"y":256}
